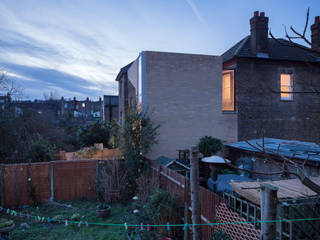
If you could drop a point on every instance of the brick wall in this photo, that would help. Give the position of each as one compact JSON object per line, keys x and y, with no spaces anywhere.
{"x":259,"y":107}
{"x":183,"y":95}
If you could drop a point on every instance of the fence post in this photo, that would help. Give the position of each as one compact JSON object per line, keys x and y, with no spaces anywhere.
{"x":195,"y":194}
{"x":51,"y":182}
{"x":2,"y":184}
{"x":97,"y":180}
{"x":186,"y":206}
{"x":268,"y":202}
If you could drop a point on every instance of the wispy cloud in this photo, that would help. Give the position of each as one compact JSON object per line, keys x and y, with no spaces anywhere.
{"x":197,"y":13}
{"x":90,"y":54}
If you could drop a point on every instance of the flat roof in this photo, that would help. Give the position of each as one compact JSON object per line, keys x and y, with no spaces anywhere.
{"x":287,"y":189}
{"x":287,"y":147}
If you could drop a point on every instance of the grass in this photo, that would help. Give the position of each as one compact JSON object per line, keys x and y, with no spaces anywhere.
{"x":48,"y":231}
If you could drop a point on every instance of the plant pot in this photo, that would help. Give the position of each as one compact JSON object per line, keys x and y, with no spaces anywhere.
{"x":103,"y":213}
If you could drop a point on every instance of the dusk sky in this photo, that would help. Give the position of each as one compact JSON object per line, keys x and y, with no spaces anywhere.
{"x":76,"y":48}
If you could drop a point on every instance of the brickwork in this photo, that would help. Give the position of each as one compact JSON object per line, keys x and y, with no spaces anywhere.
{"x":183,"y":95}
{"x":259,"y":105}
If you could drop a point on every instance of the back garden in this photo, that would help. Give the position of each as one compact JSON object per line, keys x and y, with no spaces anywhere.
{"x":64,"y":199}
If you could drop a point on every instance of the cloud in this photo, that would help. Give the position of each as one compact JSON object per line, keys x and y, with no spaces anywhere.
{"x":65,"y":84}
{"x":35,"y":47}
{"x":197,"y":13}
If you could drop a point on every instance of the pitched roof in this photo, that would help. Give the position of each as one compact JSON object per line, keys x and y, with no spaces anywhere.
{"x":123,"y":70}
{"x":276,"y":51}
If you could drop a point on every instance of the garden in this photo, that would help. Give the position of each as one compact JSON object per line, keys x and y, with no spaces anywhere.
{"x":81,"y":220}
{"x":128,"y":202}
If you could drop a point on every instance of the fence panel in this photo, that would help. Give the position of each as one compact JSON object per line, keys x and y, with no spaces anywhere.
{"x":74,"y":179}
{"x":175,"y":183}
{"x":18,"y":179}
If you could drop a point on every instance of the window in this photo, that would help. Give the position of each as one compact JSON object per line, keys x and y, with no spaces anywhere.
{"x":83,"y":105}
{"x":228,"y":91}
{"x":286,"y":87}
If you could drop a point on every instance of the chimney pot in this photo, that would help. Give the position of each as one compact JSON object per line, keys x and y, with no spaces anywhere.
{"x":259,"y":33}
{"x":316,"y":19}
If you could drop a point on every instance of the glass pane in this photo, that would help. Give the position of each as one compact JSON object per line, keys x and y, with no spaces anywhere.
{"x":227,"y":92}
{"x":286,"y":87}
{"x":285,"y":79}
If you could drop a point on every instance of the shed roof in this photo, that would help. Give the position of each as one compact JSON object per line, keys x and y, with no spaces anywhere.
{"x":291,"y":188}
{"x":287,"y":147}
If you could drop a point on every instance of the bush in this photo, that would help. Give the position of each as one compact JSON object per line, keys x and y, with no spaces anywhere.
{"x":220,"y":235}
{"x":41,"y":151}
{"x":138,"y":136}
{"x":209,"y":146}
{"x":92,"y":133}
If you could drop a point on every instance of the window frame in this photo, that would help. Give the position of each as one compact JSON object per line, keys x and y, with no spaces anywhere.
{"x":233,"y":85}
{"x":291,"y":86}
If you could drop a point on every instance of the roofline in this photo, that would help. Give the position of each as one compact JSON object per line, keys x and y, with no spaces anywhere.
{"x":123,"y":70}
{"x":270,"y":59}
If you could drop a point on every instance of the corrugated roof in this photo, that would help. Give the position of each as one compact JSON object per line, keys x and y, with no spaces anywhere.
{"x":276,"y":51}
{"x":287,"y":147}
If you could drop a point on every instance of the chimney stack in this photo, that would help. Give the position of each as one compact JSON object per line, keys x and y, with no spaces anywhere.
{"x":259,"y":33}
{"x":315,"y":34}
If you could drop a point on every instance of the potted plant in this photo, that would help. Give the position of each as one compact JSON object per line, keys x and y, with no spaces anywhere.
{"x":103,"y":210}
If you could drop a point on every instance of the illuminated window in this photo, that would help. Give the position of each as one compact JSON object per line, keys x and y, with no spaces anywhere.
{"x":83,"y":105}
{"x":286,"y":87}
{"x":228,"y":91}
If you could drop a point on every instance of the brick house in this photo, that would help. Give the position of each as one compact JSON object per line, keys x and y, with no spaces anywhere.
{"x":257,"y":84}
{"x":271,"y":86}
{"x":87,"y":109}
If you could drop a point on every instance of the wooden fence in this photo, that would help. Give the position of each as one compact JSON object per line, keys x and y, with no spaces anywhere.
{"x":59,"y":180}
{"x":211,"y":205}
{"x":176,"y":184}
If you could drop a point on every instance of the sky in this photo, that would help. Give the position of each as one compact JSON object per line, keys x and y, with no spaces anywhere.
{"x":75,"y":48}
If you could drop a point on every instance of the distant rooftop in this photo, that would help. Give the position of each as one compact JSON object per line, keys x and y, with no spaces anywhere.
{"x":287,"y":147}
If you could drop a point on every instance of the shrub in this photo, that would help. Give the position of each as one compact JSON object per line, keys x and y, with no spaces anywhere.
{"x":97,"y":132}
{"x":138,"y":135}
{"x":112,"y":179}
{"x":220,"y":235}
{"x":147,"y":184}
{"x":41,"y":151}
{"x":209,"y":146}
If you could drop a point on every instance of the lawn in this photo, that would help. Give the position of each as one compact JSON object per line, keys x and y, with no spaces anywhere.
{"x":44,"y":230}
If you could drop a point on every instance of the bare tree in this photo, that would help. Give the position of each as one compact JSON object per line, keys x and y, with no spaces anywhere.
{"x":9,"y":87}
{"x":51,"y":96}
{"x":297,"y":35}
{"x":292,"y":38}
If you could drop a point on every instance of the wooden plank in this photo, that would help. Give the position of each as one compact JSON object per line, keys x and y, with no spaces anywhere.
{"x":290,"y":188}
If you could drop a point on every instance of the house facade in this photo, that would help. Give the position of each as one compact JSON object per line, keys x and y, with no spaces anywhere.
{"x":259,"y":86}
{"x":87,"y":109}
{"x":182,"y":93}
{"x":273,"y":86}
